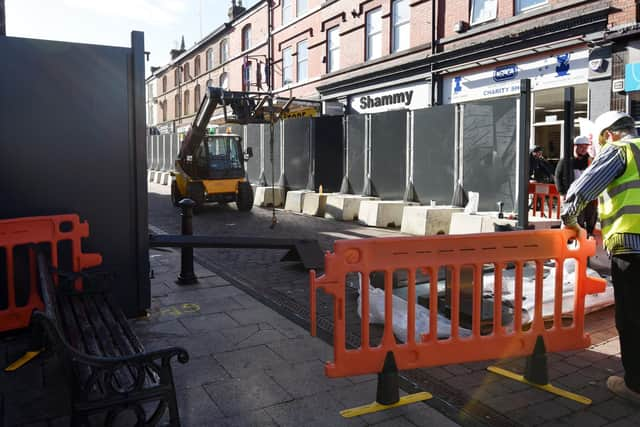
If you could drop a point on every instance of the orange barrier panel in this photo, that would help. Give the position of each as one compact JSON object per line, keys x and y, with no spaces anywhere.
{"x":17,"y":261}
{"x":459,"y":254}
{"x":545,"y":194}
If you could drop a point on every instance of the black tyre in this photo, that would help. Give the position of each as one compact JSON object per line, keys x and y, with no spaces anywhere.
{"x":175,"y":194}
{"x":245,"y":197}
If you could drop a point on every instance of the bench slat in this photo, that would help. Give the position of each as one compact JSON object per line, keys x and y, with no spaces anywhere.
{"x":72,"y":333}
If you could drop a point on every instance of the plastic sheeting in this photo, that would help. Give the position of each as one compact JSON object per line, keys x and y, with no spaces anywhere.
{"x":355,"y":152}
{"x":389,"y":154}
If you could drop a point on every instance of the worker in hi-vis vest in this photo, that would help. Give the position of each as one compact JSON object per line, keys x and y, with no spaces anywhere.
{"x":614,"y":178}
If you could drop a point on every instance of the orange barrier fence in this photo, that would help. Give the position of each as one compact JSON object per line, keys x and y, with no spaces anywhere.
{"x":545,"y":194}
{"x":58,"y":235}
{"x":463,"y":256}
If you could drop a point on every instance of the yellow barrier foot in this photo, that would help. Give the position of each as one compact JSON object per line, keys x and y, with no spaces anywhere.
{"x":23,"y":360}
{"x":546,"y":387}
{"x":377,"y":407}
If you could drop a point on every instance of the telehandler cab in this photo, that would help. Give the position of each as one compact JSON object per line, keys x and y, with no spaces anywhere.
{"x":211,"y":168}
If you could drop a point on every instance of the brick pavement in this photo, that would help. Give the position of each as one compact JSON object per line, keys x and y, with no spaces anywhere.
{"x":468,"y":389}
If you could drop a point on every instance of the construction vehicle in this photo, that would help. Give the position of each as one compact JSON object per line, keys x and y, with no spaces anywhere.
{"x":211,"y":168}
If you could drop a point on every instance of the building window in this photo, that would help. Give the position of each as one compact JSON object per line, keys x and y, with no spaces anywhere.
{"x":483,"y":11}
{"x":186,"y":102}
{"x":286,"y":12}
{"x":196,"y":66}
{"x":209,"y":83}
{"x":196,"y":98}
{"x":176,"y":103}
{"x":224,"y":51}
{"x":209,"y":59}
{"x":287,"y":62}
{"x":164,"y":111}
{"x":176,"y":76}
{"x":164,"y":84}
{"x":374,"y":34}
{"x":246,"y":76}
{"x":187,"y":72}
{"x":333,"y":50}
{"x":524,"y":5}
{"x":246,"y":37}
{"x":224,"y":81}
{"x":302,"y":58}
{"x":401,"y":16}
{"x":301,"y":7}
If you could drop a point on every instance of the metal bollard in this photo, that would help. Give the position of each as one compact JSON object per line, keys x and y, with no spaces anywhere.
{"x":187,"y":276}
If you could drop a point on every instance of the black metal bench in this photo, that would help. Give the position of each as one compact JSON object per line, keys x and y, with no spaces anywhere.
{"x":110,"y":373}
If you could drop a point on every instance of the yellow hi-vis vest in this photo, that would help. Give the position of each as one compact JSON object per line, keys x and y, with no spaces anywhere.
{"x":619,"y":204}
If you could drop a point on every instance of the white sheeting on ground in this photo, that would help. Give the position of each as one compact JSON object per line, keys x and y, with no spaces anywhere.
{"x":592,"y":302}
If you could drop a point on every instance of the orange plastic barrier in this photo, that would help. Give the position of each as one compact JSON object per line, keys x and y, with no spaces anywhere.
{"x":545,"y":194}
{"x":461,"y":253}
{"x":58,"y":235}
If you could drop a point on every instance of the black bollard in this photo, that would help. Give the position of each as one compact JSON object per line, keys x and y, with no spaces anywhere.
{"x":388,"y":391}
{"x":187,"y":276}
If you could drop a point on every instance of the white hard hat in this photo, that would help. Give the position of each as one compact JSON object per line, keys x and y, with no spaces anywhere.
{"x":605,"y":120}
{"x":581,"y":140}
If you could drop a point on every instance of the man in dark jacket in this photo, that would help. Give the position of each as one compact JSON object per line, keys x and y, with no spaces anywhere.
{"x":577,"y":164}
{"x":540,"y":170}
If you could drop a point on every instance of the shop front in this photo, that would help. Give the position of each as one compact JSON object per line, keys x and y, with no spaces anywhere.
{"x":549,"y":73}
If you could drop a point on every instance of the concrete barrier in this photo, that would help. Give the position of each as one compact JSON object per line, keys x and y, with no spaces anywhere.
{"x":268,"y":196}
{"x":382,"y":213}
{"x":427,"y":220}
{"x":314,"y":204}
{"x":344,"y":207}
{"x":295,"y":199}
{"x":484,"y":222}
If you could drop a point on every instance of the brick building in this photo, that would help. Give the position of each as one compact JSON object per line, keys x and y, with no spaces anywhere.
{"x":379,"y":55}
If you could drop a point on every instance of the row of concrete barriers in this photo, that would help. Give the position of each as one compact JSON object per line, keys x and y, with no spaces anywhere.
{"x":411,"y":217}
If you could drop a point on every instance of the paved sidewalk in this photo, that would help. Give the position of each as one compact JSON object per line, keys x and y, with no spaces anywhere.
{"x":249,"y":365}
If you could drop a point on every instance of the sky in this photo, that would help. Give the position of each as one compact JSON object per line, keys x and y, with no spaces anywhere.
{"x":110,"y":22}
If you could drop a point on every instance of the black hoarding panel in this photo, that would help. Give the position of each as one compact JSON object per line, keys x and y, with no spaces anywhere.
{"x":355,"y":153}
{"x":434,"y":153}
{"x":329,"y":151}
{"x":72,"y":132}
{"x":489,"y":152}
{"x":388,"y":154}
{"x":297,"y":152}
{"x":253,"y":164}
{"x":268,"y":168}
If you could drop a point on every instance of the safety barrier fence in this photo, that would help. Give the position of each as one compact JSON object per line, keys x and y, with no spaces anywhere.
{"x":465,"y":259}
{"x":60,"y":237}
{"x":162,"y":151}
{"x":545,"y":196}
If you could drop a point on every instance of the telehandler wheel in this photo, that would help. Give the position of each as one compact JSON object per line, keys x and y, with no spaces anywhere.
{"x":175,"y":194}
{"x":245,"y":197}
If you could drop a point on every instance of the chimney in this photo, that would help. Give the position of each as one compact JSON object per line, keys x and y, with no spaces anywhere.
{"x":177,"y":52}
{"x":235,"y":10}
{"x":154,"y":69}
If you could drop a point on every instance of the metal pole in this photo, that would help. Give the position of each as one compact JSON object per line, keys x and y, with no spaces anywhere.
{"x":523,"y":154}
{"x":3,"y":28}
{"x":187,"y":276}
{"x":567,"y":132}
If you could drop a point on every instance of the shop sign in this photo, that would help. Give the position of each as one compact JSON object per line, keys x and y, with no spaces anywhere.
{"x":565,"y":69}
{"x":632,"y":77}
{"x":408,"y":97}
{"x":165,"y":128}
{"x":296,"y":114}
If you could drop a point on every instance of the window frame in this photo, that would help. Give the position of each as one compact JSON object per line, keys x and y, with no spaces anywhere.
{"x":209,"y":59}
{"x":287,"y":52}
{"x":482,"y":21}
{"x":186,"y":71}
{"x":304,"y":61}
{"x":331,"y":48}
{"x":196,"y":66}
{"x":287,"y":6}
{"x":164,"y":110}
{"x":299,"y":10}
{"x":224,"y":51}
{"x":368,"y":35}
{"x":177,"y":106}
{"x":246,"y":37}
{"x":405,"y":24}
{"x":186,"y":99}
{"x":164,"y":84}
{"x":519,"y":9}
{"x":176,"y":76}
{"x":196,"y":98}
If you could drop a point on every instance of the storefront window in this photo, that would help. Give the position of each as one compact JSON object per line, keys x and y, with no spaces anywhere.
{"x":548,"y":120}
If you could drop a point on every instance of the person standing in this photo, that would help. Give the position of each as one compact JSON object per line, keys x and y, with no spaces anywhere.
{"x":614,"y":176}
{"x":577,"y":164}
{"x":540,"y":170}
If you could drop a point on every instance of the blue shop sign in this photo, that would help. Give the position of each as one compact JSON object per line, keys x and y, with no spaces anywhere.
{"x":506,"y":72}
